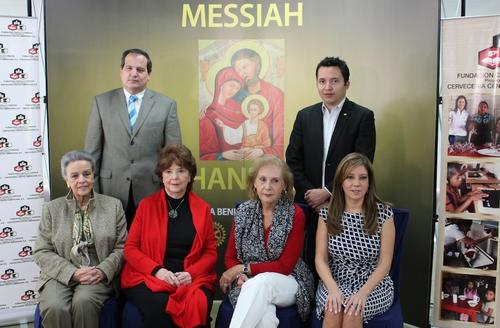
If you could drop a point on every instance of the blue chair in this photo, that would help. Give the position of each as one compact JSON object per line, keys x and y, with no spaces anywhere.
{"x":131,"y":317}
{"x":288,"y":316}
{"x":108,"y":318}
{"x":392,"y":318}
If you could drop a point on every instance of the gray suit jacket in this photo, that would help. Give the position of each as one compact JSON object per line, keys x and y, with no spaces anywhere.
{"x":123,"y":157}
{"x":54,"y":240}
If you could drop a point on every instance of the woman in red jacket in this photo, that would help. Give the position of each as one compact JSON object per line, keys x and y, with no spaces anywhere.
{"x":263,"y":253}
{"x":171,"y":251}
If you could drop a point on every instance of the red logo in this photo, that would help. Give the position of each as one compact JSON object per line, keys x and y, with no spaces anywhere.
{"x":29,"y":295}
{"x":12,"y":27}
{"x":490,"y":57}
{"x":19,"y":121}
{"x":39,"y":189}
{"x":5,"y":276}
{"x":4,"y":235}
{"x":18,"y":73}
{"x":25,"y":298}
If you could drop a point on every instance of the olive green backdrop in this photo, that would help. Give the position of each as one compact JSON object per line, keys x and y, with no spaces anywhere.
{"x":390,"y":46}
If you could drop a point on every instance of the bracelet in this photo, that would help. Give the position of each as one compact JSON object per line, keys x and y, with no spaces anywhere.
{"x":246,"y":268}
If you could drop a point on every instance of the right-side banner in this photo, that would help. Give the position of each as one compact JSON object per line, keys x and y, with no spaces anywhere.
{"x":469,"y":204}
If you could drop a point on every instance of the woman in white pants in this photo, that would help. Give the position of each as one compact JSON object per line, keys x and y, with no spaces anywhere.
{"x":264,"y":268}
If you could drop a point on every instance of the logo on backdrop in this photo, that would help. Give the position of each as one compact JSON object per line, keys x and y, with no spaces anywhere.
{"x":4,"y":98}
{"x":36,"y":98}
{"x":9,"y":274}
{"x":18,"y":74}
{"x":29,"y":295}
{"x":220,"y":233}
{"x":490,"y":57}
{"x":22,"y":166}
{"x":4,"y":143}
{"x":34,"y":49}
{"x":7,"y":232}
{"x":3,"y":50}
{"x":16,"y":25}
{"x":24,"y":210}
{"x":5,"y":190}
{"x":20,"y":120}
{"x":27,"y":251}
{"x":39,"y":188}
{"x":38,"y":141}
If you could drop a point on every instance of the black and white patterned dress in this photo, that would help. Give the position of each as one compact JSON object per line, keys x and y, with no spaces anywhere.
{"x":352,"y":257}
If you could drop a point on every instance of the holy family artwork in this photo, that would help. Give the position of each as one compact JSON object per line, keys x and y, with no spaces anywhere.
{"x":241,"y":99}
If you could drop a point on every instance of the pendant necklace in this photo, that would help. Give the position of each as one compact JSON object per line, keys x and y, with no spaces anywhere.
{"x":173,"y":212}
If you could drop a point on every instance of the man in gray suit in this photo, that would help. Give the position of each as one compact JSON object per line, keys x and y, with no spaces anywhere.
{"x":127,"y":129}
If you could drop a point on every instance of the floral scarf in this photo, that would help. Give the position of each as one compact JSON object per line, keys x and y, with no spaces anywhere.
{"x":249,"y":240}
{"x":83,"y":237}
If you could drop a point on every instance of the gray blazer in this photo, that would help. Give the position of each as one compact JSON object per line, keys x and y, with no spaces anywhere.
{"x":54,"y":241}
{"x":123,"y":157}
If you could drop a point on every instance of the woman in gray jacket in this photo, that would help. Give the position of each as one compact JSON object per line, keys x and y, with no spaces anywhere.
{"x":79,"y":248}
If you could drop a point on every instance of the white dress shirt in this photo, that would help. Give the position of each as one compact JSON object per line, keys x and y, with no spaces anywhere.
{"x":330,"y":117}
{"x":139,"y":99}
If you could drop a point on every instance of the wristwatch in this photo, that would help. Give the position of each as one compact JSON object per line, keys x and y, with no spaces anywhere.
{"x":246,"y":269}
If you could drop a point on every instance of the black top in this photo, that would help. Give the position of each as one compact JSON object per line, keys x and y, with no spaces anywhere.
{"x":180,"y":234}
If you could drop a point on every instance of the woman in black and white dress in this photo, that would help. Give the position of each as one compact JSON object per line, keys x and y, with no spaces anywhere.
{"x":354,"y":247}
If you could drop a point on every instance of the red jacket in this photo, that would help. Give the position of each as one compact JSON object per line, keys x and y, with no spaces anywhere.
{"x":145,"y":250}
{"x":288,"y":258}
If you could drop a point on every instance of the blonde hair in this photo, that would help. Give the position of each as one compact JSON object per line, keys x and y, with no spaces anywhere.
{"x":266,"y":160}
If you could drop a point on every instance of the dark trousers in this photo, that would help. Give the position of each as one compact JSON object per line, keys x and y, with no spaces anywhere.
{"x":152,"y":306}
{"x":309,"y":251}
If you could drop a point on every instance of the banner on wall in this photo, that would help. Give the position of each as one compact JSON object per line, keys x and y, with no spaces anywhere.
{"x":241,"y":99}
{"x":241,"y":111}
{"x":191,"y":41}
{"x":241,"y":116}
{"x":467,"y":269}
{"x":21,"y":178}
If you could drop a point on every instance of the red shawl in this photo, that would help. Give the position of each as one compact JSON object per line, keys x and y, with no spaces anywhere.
{"x":145,"y":250}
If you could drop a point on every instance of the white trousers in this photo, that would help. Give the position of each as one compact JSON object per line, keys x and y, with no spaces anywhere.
{"x":259,"y":296}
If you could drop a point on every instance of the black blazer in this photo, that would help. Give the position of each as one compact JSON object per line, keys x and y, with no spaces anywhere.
{"x":354,"y":132}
